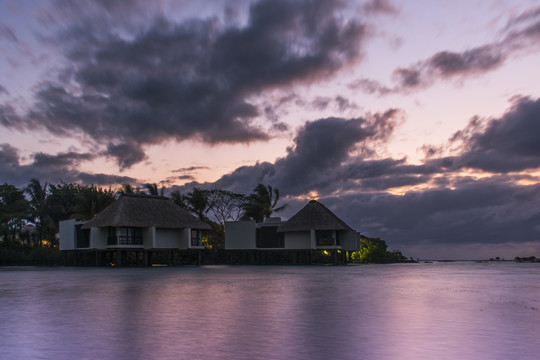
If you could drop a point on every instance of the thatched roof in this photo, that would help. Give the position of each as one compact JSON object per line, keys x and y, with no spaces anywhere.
{"x":139,"y":210}
{"x":314,"y":216}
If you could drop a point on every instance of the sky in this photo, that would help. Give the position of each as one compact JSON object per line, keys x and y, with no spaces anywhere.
{"x":414,"y":121}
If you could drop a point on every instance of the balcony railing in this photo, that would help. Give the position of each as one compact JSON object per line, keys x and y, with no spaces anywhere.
{"x":124,"y":240}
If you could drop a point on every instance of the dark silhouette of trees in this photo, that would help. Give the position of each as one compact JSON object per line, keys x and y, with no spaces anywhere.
{"x":92,"y":200}
{"x":374,"y":250}
{"x":226,"y":205}
{"x":179,"y":199}
{"x":62,"y":200}
{"x":126,"y":189}
{"x":197,"y":203}
{"x":14,"y":211}
{"x":153,"y":189}
{"x":262,"y":203}
{"x":39,"y":209}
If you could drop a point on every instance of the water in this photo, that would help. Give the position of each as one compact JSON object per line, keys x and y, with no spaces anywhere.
{"x":408,"y":311}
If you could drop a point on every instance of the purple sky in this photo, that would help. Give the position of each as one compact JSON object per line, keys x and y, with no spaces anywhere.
{"x":415,"y":121}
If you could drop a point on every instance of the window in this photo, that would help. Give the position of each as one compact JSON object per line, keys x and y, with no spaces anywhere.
{"x":196,"y":237}
{"x":267,"y":237}
{"x":125,"y":236}
{"x":327,"y":238}
{"x":82,"y":236}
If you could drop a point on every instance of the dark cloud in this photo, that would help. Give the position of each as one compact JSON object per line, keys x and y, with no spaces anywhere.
{"x":60,"y":161}
{"x":380,"y":7}
{"x":509,"y":143}
{"x":51,"y":168}
{"x":370,"y":86}
{"x":7,"y":32}
{"x":190,"y":169}
{"x":429,"y":205}
{"x":9,"y":118}
{"x":340,"y":103}
{"x":321,"y":103}
{"x":126,"y":154}
{"x":448,"y":64}
{"x":172,"y":180}
{"x":190,"y":79}
{"x":104,"y":179}
{"x":482,"y":211}
{"x":9,"y":156}
{"x":319,"y":159}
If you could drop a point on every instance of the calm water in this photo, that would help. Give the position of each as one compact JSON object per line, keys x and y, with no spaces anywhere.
{"x":410,"y":311}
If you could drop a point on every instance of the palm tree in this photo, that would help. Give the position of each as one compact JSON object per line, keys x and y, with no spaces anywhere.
{"x":197,"y":203}
{"x":91,"y":201}
{"x":262,"y":203}
{"x":38,"y":206}
{"x":153,"y":189}
{"x":126,"y":189}
{"x":179,"y":199}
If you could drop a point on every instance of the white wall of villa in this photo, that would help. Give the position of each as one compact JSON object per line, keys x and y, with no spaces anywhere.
{"x":350,"y":240}
{"x":98,"y":238}
{"x":240,"y":235}
{"x":298,"y":240}
{"x":152,"y":238}
{"x":67,"y":234}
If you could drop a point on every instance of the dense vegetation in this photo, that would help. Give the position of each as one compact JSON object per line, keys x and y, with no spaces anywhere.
{"x":29,"y":218}
{"x":375,"y":250}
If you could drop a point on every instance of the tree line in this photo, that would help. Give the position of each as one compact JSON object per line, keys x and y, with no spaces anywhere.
{"x":31,"y":215}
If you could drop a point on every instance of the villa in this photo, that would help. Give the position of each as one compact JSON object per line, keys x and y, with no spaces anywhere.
{"x":314,"y":227}
{"x":135,"y":222}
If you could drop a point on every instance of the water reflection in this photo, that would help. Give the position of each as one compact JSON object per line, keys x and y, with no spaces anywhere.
{"x":423,"y":311}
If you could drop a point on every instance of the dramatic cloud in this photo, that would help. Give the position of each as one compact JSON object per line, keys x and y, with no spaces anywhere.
{"x":320,"y":156}
{"x":51,"y":168}
{"x":499,"y":145}
{"x":439,"y":206}
{"x":190,"y":79}
{"x":475,"y":212}
{"x":126,"y":154}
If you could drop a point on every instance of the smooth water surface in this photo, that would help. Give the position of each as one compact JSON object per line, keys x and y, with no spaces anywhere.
{"x":407,"y":311}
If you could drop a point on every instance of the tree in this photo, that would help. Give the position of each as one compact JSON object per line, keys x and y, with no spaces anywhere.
{"x":374,"y":250}
{"x":39,"y":207}
{"x":126,"y":189}
{"x":153,"y":189}
{"x":226,"y":205}
{"x":62,"y":200}
{"x":91,"y":201}
{"x":179,"y":199}
{"x":14,"y":210}
{"x":197,"y":203}
{"x":262,"y":203}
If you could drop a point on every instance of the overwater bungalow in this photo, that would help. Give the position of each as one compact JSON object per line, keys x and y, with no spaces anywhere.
{"x":314,"y":227}
{"x":135,"y":224}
